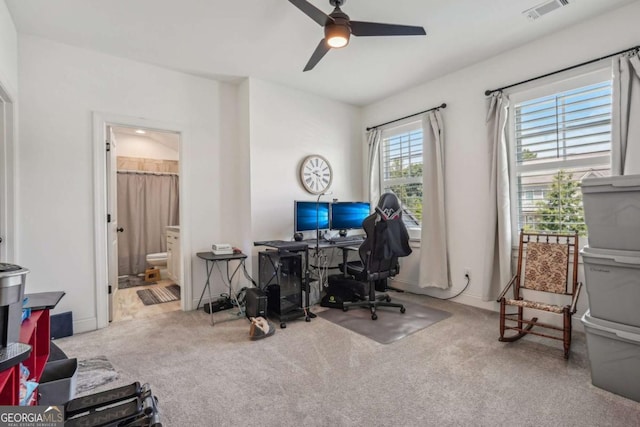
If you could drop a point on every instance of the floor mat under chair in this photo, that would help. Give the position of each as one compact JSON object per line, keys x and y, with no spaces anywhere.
{"x":159,"y":295}
{"x":391,"y":324}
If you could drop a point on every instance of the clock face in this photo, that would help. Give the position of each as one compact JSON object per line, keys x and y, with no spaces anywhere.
{"x":315,"y":174}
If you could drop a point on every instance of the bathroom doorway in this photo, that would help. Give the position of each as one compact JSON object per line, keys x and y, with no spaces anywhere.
{"x":144,"y":224}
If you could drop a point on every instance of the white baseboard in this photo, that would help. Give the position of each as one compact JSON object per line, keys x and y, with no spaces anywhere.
{"x":85,"y":325}
{"x":478,"y":302}
{"x":472,"y":300}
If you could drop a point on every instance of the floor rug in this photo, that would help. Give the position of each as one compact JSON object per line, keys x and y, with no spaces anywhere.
{"x":93,"y":373}
{"x":391,"y":324}
{"x":132,"y":281}
{"x":159,"y":295}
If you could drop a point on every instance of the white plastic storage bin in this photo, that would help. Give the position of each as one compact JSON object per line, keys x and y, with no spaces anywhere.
{"x":612,"y":280}
{"x":614,"y":356}
{"x":612,"y":212}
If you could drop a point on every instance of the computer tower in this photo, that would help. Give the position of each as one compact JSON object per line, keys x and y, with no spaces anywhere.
{"x":280,"y":275}
{"x":255,"y":303}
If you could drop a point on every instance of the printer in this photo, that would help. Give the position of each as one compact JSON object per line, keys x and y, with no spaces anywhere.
{"x":222,"y":249}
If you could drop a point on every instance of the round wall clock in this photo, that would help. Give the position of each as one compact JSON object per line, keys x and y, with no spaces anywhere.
{"x":315,"y":174}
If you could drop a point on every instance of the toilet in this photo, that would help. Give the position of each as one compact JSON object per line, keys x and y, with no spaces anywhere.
{"x":159,"y":260}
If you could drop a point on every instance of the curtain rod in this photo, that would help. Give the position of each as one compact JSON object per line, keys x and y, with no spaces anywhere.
{"x":489,"y":92}
{"x":410,"y":115}
{"x":146,"y":172}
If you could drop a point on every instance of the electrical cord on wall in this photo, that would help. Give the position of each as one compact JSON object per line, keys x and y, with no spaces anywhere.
{"x":459,"y":293}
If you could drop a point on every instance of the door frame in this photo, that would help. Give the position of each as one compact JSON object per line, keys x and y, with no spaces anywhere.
{"x":112,"y":223}
{"x":8,"y":216}
{"x":100,"y":123}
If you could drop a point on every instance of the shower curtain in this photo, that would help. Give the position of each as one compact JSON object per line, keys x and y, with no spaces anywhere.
{"x":147,"y":203}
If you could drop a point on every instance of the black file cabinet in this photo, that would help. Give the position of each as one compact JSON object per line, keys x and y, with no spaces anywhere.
{"x":280,"y":276}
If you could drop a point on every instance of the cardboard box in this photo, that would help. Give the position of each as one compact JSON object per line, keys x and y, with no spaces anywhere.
{"x":152,"y":274}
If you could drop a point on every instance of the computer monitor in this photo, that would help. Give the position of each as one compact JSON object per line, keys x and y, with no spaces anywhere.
{"x":349,"y":215}
{"x":309,"y":216}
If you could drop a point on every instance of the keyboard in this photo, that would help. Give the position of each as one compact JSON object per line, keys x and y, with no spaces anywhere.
{"x":341,"y":239}
{"x":286,"y":245}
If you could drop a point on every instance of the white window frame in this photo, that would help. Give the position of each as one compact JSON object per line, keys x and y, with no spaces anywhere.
{"x":561,"y":83}
{"x":399,"y":128}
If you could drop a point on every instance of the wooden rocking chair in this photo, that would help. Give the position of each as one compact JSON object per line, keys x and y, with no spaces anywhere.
{"x":548,"y":264}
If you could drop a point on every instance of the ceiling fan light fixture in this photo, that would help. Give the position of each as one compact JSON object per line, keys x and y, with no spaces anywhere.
{"x":337,"y":36}
{"x":338,"y":28}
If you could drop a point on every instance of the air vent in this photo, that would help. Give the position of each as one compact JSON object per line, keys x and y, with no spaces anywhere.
{"x":544,"y":8}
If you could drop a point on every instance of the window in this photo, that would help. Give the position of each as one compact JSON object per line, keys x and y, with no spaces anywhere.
{"x":559,"y":139}
{"x":401,"y":168}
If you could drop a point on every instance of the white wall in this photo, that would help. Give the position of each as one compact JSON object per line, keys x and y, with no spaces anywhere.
{"x":8,"y":52}
{"x":60,"y":88}
{"x":8,"y":134}
{"x":143,"y":147}
{"x":466,"y":147}
{"x":286,"y":125}
{"x":237,"y":178}
{"x":277,"y":127}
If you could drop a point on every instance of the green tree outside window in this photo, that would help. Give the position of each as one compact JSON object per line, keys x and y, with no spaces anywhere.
{"x":561,"y":211}
{"x":409,"y":194}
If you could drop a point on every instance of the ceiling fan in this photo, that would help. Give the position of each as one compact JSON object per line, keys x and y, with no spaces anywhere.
{"x":338,"y":28}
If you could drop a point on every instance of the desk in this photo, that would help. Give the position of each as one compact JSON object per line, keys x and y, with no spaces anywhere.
{"x":324,"y":244}
{"x":345,"y":245}
{"x":212,"y":260}
{"x":305,"y":246}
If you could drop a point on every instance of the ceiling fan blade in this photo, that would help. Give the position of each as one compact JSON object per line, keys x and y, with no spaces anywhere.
{"x":364,"y":29}
{"x":321,"y":50}
{"x":312,"y":12}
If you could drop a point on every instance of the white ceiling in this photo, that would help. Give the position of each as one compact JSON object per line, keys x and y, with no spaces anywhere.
{"x":168,"y":139}
{"x":272,"y":39}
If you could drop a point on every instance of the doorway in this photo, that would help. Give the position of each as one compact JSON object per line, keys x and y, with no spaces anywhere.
{"x":143,"y":204}
{"x":120,"y":128}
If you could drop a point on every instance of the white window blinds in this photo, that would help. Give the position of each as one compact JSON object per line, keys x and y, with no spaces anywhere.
{"x":559,"y":140}
{"x":401,"y":168}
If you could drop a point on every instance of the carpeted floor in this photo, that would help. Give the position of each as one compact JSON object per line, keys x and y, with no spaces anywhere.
{"x":453,"y":373}
{"x":159,"y":295}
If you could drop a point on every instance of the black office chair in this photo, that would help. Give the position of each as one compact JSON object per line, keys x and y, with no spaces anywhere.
{"x":386,"y":240}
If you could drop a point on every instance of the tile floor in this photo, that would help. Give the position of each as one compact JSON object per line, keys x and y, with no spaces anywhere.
{"x":127,"y":304}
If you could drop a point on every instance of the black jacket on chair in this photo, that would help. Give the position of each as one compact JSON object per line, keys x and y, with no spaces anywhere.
{"x":387,"y":240}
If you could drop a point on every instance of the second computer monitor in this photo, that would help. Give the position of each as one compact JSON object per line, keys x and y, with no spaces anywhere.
{"x":348,"y":215}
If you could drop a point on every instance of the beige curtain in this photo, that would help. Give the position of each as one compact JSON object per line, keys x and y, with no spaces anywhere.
{"x":434,"y":253}
{"x":147,"y":203}
{"x":625,"y":150}
{"x":373,"y":139}
{"x":497,"y":265}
